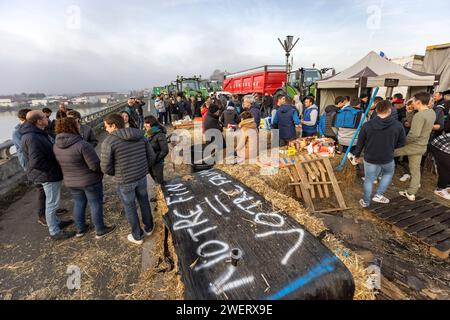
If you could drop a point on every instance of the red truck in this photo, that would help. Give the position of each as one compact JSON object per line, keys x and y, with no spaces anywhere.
{"x":263,"y":79}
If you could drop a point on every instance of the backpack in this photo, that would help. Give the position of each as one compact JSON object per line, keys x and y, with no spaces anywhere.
{"x":348,"y":118}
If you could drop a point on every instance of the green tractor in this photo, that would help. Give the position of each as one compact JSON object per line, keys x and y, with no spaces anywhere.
{"x":189,"y":87}
{"x":209,"y":86}
{"x":304,"y":82}
{"x":170,"y":89}
{"x":157,"y":91}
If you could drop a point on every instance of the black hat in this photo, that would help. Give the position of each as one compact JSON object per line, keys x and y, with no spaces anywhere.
{"x":213,"y":108}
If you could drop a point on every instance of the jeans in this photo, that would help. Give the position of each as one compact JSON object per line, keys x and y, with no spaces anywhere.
{"x":162,"y":118}
{"x":52,"y":196}
{"x":443,"y":167}
{"x":285,"y":142}
{"x":308,"y":134}
{"x":128,"y":194}
{"x":41,"y":200}
{"x":372,"y":172}
{"x":94,"y":196}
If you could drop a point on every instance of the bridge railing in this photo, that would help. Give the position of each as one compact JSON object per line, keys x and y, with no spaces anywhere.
{"x":96,"y":119}
{"x":5,"y":150}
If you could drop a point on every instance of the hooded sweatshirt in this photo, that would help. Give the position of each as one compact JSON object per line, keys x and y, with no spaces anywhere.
{"x":379,"y":138}
{"x":126,"y":155}
{"x":229,"y":116}
{"x":78,"y":160}
{"x":286,"y":119}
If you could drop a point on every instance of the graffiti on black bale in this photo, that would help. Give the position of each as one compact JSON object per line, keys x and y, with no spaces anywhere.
{"x":233,"y":244}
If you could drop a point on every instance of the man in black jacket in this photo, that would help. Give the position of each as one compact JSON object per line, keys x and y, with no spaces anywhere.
{"x":379,"y":138}
{"x":229,"y":117}
{"x":43,"y":168}
{"x":128,"y":157}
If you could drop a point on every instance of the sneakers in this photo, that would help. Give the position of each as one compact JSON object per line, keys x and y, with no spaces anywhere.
{"x":61,"y":211}
{"x":65,"y":224}
{"x":42,"y":221}
{"x":411,"y":197}
{"x":149,"y":233}
{"x":405,"y":178}
{"x":363,"y":203}
{"x":107,"y":231}
{"x":63,"y":235}
{"x":352,"y":159}
{"x":81,"y":234}
{"x":443,"y":194}
{"x":380,"y":199}
{"x":132,"y":240}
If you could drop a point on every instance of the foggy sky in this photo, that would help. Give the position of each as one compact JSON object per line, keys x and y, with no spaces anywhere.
{"x":76,"y":46}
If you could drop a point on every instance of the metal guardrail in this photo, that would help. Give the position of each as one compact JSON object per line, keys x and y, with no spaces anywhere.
{"x":5,"y":150}
{"x":95,"y":119}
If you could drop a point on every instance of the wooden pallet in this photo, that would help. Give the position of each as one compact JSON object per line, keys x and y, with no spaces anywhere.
{"x":313,"y":177}
{"x":426,"y":221}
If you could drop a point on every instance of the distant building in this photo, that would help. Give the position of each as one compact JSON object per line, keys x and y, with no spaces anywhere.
{"x":7,"y":102}
{"x":39,"y":103}
{"x":97,"y":97}
{"x":12,"y":101}
{"x":414,"y":62}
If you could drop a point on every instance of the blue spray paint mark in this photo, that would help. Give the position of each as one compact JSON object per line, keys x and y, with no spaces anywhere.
{"x":325,"y":266}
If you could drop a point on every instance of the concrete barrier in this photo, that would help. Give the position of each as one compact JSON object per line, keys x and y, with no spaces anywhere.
{"x":11,"y":173}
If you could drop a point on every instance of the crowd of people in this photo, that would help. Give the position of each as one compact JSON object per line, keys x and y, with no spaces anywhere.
{"x":63,"y":151}
{"x":395,"y":133}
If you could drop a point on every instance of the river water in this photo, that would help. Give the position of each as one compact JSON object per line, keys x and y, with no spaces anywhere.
{"x":8,"y":120}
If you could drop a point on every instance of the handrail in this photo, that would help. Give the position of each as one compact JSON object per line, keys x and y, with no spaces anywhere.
{"x":94,"y":119}
{"x":5,"y":150}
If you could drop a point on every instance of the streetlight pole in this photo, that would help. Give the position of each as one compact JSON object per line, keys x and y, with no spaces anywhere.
{"x":288,"y":45}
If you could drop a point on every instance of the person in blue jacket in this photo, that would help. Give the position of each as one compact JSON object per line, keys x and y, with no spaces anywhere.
{"x":286,"y":119}
{"x":310,"y":118}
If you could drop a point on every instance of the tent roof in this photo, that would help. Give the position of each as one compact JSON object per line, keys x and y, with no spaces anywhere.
{"x":377,"y":69}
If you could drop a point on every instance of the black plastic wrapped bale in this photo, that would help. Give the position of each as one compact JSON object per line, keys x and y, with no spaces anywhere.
{"x":232,"y":244}
{"x":199,"y":163}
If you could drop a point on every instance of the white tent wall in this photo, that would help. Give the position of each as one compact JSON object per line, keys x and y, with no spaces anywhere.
{"x":376,"y":70}
{"x":437,"y":61}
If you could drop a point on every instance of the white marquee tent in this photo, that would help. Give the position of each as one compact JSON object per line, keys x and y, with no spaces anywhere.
{"x":376,"y":69}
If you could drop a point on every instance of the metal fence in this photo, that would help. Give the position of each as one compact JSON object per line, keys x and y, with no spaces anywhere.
{"x":96,"y":119}
{"x":5,"y":150}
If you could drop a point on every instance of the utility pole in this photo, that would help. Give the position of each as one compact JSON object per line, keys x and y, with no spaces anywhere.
{"x":288,"y":45}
